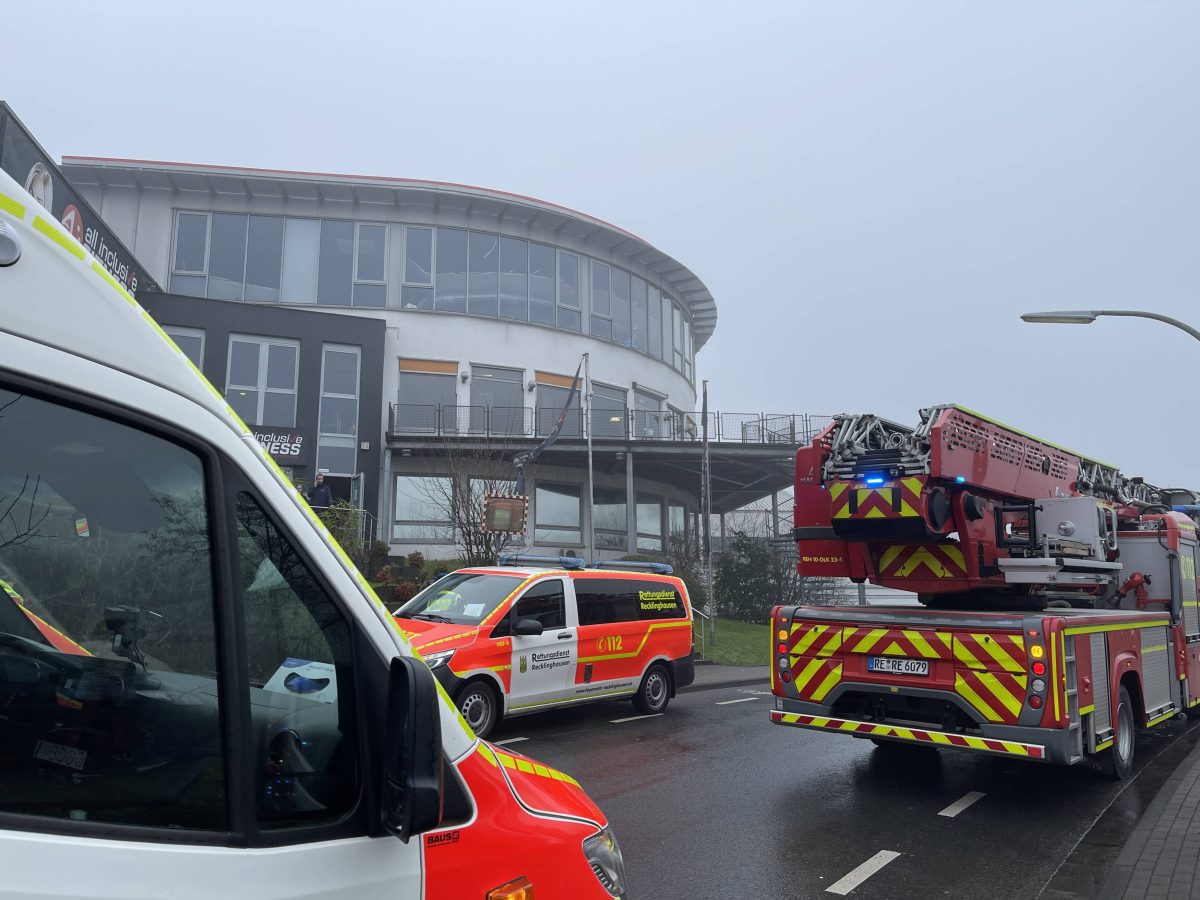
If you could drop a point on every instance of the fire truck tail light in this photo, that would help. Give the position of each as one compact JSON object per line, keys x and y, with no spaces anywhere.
{"x":1039,"y":668}
{"x":785,"y":676}
{"x":1039,"y":686}
{"x":782,"y":648}
{"x":1037,"y":651}
{"x":782,"y":635}
{"x":1035,"y":701}
{"x":518,"y":889}
{"x":783,"y":664}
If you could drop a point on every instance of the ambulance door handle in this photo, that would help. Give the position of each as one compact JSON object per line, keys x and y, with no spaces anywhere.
{"x":565,"y":635}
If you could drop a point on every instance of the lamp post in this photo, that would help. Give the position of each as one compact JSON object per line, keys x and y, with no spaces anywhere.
{"x":1088,"y":316}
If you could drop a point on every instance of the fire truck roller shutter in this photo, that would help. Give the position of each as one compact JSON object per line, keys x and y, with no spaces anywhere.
{"x":1158,"y":669}
{"x":1102,"y":717}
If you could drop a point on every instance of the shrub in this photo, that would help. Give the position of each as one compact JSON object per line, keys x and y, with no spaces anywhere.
{"x":403,"y":592}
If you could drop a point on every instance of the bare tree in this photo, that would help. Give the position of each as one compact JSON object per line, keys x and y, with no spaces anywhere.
{"x":21,"y":516}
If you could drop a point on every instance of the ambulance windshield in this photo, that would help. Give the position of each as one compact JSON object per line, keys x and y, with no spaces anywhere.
{"x":460,"y":598}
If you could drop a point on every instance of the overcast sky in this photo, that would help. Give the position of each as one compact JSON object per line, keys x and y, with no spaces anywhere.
{"x":872,"y":191}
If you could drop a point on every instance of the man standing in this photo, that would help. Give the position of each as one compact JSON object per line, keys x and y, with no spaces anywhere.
{"x":319,"y":495}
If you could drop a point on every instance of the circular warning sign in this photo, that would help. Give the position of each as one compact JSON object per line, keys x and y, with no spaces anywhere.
{"x":72,"y":220}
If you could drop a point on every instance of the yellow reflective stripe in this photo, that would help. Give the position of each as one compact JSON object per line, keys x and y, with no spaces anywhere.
{"x":499,"y":668}
{"x":870,"y":640}
{"x":486,"y":752}
{"x":904,"y":733}
{"x":1103,"y":745}
{"x":827,"y":685}
{"x":834,"y":644}
{"x":918,"y":641}
{"x":1161,"y":718}
{"x":838,"y":488}
{"x":894,"y":649}
{"x":116,"y":286}
{"x":55,"y":234}
{"x":992,"y":646}
{"x":1015,"y":748}
{"x":965,"y":655}
{"x":913,"y":484}
{"x":645,"y":637}
{"x":523,"y":765}
{"x":1054,"y":674}
{"x":805,"y":642}
{"x":806,"y":674}
{"x":889,"y":555}
{"x":848,"y":726}
{"x":955,"y":553}
{"x":1087,"y":709}
{"x":997,"y":690}
{"x":968,"y":693}
{"x":938,"y":738}
{"x":454,"y":637}
{"x":12,"y":207}
{"x":1092,"y":629}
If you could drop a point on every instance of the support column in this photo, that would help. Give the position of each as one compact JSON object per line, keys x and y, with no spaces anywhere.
{"x":774,"y":514}
{"x":630,"y":507}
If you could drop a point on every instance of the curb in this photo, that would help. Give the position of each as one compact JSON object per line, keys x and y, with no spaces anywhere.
{"x":713,"y":685}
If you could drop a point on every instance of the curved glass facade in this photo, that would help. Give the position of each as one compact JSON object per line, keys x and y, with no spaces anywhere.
{"x":339,"y":262}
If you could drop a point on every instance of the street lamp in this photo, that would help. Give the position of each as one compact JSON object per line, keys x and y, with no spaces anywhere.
{"x":1088,"y":316}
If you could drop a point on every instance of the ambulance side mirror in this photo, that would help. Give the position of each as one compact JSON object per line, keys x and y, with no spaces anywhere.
{"x":528,"y":627}
{"x":413,"y":775}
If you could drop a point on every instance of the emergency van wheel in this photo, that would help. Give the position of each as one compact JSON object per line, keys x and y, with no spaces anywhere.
{"x":478,"y":704}
{"x":654,"y":693}
{"x":1121,"y":753}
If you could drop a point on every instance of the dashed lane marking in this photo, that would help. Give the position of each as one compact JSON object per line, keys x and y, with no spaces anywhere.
{"x":853,"y":879}
{"x":741,"y":700}
{"x":634,"y":718}
{"x":510,"y":741}
{"x":961,"y":803}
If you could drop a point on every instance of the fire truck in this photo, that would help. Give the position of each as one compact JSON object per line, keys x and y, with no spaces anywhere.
{"x":1057,"y":608}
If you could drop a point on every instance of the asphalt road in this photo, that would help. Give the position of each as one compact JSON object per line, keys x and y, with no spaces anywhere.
{"x":710,"y":800}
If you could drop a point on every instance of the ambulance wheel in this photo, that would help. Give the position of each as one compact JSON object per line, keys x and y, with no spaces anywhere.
{"x":479,"y":706}
{"x":654,"y":693}
{"x":1121,"y":753}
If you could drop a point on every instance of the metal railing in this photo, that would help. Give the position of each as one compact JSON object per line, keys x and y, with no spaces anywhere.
{"x":407,"y":419}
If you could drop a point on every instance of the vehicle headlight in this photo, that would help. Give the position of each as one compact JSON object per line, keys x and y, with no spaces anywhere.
{"x":604,"y":856}
{"x":436,"y":660}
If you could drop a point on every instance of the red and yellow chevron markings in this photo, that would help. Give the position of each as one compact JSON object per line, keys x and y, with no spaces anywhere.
{"x":898,"y":642}
{"x":895,"y":499}
{"x":921,"y":561}
{"x":938,"y":738}
{"x":994,"y":681}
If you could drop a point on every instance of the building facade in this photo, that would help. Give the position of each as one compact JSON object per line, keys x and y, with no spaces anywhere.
{"x":486,"y":303}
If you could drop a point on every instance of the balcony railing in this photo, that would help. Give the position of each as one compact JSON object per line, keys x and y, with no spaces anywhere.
{"x":407,"y":419}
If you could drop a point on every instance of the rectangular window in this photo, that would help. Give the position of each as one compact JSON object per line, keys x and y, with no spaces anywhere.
{"x":551,"y":399}
{"x":667,"y":325}
{"x":261,"y":380}
{"x":497,"y":400}
{"x":450,"y":292}
{"x":654,"y":316}
{"x":557,"y":515}
{"x":608,"y":411}
{"x":514,"y":279}
{"x":418,"y":256}
{"x":484,"y":263}
{"x":677,"y":332}
{"x":190,"y":341}
{"x":676,"y":521}
{"x":649,"y":421}
{"x":568,"y":291}
{"x":638,"y":314}
{"x":422,"y":508}
{"x":605,"y":601}
{"x":370,"y":262}
{"x":337,"y":433}
{"x":264,"y":258}
{"x":687,"y":349}
{"x":423,"y":397}
{"x":601,"y":301}
{"x":336,"y":266}
{"x":609,"y":520}
{"x":541,"y":284}
{"x":301,"y":253}
{"x":620,"y":307}
{"x":227,"y":257}
{"x":191,"y":243}
{"x":649,"y":523}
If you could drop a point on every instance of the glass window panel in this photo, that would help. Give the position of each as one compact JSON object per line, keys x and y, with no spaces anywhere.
{"x":227,"y":259}
{"x":336,"y":455}
{"x":418,"y":388}
{"x":372,"y":252}
{"x":677,"y":332}
{"x":281,"y":367}
{"x":339,"y":415}
{"x":608,"y":411}
{"x":638,"y":313}
{"x":649,"y":515}
{"x":340,"y":372}
{"x":370,"y":295}
{"x":568,"y":279}
{"x":550,"y":402}
{"x":450,"y":292}
{"x":244,"y":403}
{"x":497,"y":387}
{"x":264,"y":257}
{"x":416,"y":297}
{"x":668,"y":341}
{"x":191,"y":240}
{"x":418,"y":256}
{"x":654,"y":315}
{"x":301,"y":252}
{"x":337,"y":262}
{"x":189,"y":285}
{"x":243,"y":363}
{"x":557,"y":505}
{"x":484,"y":262}
{"x":602,"y":328}
{"x":609,"y":519}
{"x":541,"y":284}
{"x":601,"y":278}
{"x":514,"y":279}
{"x":422,"y":505}
{"x":565,"y":537}
{"x":620,"y":307}
{"x":569,"y":319}
{"x":191,"y":344}
{"x":279,"y":409}
{"x":676,"y":518}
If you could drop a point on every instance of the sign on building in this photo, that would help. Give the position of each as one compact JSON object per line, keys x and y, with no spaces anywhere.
{"x":505,"y":515}
{"x":287,"y":446}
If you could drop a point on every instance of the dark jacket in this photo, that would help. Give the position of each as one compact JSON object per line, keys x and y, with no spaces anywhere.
{"x":320,"y":495}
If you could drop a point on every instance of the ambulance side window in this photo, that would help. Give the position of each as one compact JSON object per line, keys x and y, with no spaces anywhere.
{"x":544,"y":602}
{"x":658,"y":600}
{"x":604,"y":601}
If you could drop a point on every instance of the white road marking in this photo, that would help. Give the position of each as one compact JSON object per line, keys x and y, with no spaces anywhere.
{"x":850,"y":881}
{"x":509,"y":741}
{"x":633,"y":718}
{"x":960,"y":804}
{"x":742,"y":700}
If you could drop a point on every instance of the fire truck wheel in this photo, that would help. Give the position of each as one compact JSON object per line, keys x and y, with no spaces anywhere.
{"x":478,"y":704}
{"x":1121,"y":753}
{"x":655,"y":691}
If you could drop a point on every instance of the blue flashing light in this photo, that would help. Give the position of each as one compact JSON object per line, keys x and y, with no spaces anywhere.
{"x":875,"y":480}
{"x":959,"y":479}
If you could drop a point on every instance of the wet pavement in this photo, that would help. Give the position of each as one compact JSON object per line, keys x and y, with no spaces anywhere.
{"x":712,"y":800}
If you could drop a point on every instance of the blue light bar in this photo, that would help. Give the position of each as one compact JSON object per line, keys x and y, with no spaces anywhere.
{"x":959,"y":479}
{"x":520,"y":559}
{"x":875,"y":480}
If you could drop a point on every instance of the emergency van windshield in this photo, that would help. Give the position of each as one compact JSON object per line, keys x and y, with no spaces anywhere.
{"x":461,"y":598}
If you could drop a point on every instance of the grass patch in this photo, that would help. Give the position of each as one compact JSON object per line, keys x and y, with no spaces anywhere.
{"x":738,"y":644}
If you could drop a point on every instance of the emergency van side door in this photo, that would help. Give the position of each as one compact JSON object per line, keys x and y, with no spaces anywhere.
{"x":202,"y":733}
{"x":543,"y":665}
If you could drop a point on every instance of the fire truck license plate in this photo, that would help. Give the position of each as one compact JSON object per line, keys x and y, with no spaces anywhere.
{"x":71,"y":757}
{"x":897,"y":665}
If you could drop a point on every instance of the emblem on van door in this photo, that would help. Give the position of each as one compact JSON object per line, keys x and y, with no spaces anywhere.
{"x":524,"y":664}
